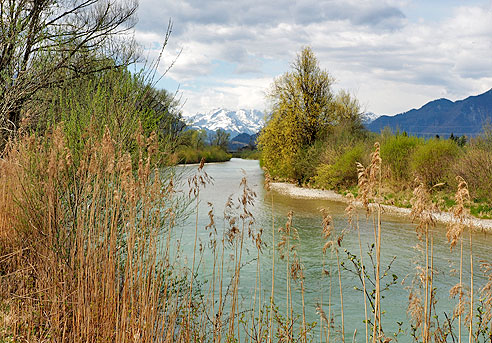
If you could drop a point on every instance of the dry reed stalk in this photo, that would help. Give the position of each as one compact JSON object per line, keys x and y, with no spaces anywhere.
{"x":298,"y":274}
{"x":341,"y":295}
{"x":284,"y":252}
{"x":349,"y":211}
{"x":323,"y":319}
{"x":470,"y":332}
{"x":213,"y":246}
{"x":454,"y":234}
{"x":92,"y":254}
{"x":327,"y":231}
{"x":294,"y":272}
{"x":422,"y":209}
{"x":486,"y":296}
{"x":232,"y":236}
{"x":218,"y":316}
{"x":369,"y":182}
{"x":196,"y":182}
{"x":270,"y":323}
{"x":258,"y":243}
{"x":330,"y":319}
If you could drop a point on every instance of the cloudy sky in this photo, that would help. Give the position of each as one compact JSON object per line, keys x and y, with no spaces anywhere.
{"x":393,"y":55}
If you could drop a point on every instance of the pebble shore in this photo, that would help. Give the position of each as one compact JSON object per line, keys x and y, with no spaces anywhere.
{"x":309,"y":193}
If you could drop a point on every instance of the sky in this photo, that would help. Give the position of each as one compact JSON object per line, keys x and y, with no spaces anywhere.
{"x":392,"y":55}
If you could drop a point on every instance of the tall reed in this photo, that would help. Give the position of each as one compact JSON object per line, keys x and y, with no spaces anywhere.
{"x":81,"y":241}
{"x":272,"y":293}
{"x":461,"y":220}
{"x":349,"y":211}
{"x":422,"y":213}
{"x":369,"y":182}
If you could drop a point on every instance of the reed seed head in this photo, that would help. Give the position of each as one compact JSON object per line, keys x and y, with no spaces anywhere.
{"x":460,"y":213}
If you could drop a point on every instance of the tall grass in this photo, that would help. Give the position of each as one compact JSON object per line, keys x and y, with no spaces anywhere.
{"x":79,"y":243}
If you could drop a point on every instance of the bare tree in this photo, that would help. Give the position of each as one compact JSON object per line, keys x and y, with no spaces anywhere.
{"x":44,"y":43}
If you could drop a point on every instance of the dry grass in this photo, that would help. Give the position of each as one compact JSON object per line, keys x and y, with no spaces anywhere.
{"x":79,"y":242}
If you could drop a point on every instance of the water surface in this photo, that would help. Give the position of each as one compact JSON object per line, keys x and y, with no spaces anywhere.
{"x":399,"y":244}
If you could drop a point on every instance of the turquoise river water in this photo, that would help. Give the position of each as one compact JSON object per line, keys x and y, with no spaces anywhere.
{"x":398,"y":240}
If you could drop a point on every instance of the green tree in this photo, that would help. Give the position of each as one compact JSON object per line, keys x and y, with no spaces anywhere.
{"x":115,"y":99}
{"x":220,"y":138}
{"x":304,"y":110}
{"x":192,"y":138}
{"x":45,"y":42}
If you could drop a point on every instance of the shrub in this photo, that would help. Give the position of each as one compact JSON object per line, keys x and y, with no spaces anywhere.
{"x":247,"y":154}
{"x":188,"y":154}
{"x":396,"y":152}
{"x":433,"y":160}
{"x":215,"y":154}
{"x":307,"y":160}
{"x":475,"y":167}
{"x":343,"y":172}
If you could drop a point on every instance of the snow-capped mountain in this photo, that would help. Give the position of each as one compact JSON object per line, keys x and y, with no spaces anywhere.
{"x":369,"y":117}
{"x":233,"y":122}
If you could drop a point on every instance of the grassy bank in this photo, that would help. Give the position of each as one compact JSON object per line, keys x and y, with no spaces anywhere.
{"x":189,"y":155}
{"x":247,"y":154}
{"x":407,"y":161}
{"x":315,"y":137}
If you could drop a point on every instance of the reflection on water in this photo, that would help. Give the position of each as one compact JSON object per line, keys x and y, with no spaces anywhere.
{"x":398,"y":240}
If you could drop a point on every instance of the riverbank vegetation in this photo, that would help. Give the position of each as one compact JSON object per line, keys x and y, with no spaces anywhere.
{"x":247,"y":154}
{"x":195,"y":145}
{"x":89,"y":251}
{"x":315,"y":138}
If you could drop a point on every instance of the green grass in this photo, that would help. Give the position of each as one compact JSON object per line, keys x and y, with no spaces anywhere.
{"x":188,"y":155}
{"x":481,"y":210}
{"x":247,"y":154}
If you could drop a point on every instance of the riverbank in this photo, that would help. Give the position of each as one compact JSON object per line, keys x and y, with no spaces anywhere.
{"x":309,"y":193}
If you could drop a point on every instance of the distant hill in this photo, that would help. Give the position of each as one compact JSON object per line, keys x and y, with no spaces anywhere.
{"x":441,"y":117}
{"x":233,"y":122}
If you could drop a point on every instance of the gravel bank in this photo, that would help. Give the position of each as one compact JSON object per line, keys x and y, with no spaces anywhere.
{"x":309,"y":193}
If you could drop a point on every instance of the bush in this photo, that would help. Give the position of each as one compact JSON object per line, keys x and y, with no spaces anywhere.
{"x":433,"y":161}
{"x":343,"y":173}
{"x":187,"y":155}
{"x":307,"y":160}
{"x":247,"y":154}
{"x":215,"y":154}
{"x":475,"y":167}
{"x":115,"y":99}
{"x":396,"y":152}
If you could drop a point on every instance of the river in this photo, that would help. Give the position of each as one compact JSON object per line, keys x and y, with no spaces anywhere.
{"x":399,"y":242}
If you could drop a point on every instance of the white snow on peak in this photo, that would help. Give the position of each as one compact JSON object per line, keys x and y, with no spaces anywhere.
{"x":369,"y":117}
{"x":234,"y":122}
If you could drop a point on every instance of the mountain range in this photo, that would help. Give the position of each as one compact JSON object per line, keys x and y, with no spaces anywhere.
{"x":233,"y":122}
{"x":441,"y":117}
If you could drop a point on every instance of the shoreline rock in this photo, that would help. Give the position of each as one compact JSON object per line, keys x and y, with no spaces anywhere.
{"x":295,"y":191}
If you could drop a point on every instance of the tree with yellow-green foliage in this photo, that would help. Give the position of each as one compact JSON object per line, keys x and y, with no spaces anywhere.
{"x":304,"y":111}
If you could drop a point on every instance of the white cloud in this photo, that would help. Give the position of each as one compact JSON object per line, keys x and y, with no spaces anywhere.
{"x":392,"y":62}
{"x":233,"y":94}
